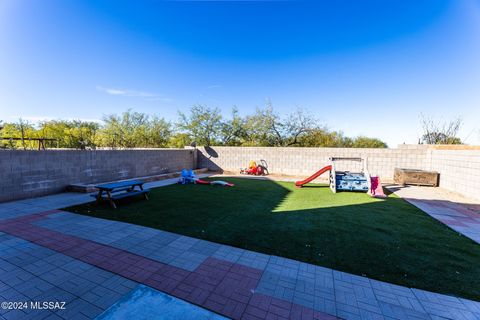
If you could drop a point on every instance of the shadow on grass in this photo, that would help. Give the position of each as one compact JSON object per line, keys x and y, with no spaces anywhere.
{"x":388,"y":240}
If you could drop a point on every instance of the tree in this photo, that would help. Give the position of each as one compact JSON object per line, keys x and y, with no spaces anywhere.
{"x":297,"y":124}
{"x":440,"y":133}
{"x":233,"y":130}
{"x":23,"y":127}
{"x":180,"y":140}
{"x":132,"y":127}
{"x":203,"y":124}
{"x":267,"y":128}
{"x":81,"y":135}
{"x":110,"y":135}
{"x":366,"y":142}
{"x":21,"y":130}
{"x":8,"y":131}
{"x":135,"y":130}
{"x":263,"y":128}
{"x":70,"y":134}
{"x":159,"y":132}
{"x":322,"y":137}
{"x":55,"y":129}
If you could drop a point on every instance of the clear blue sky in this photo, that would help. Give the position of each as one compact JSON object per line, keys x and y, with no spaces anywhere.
{"x":364,"y":67}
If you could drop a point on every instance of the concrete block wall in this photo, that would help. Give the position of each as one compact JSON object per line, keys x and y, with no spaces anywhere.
{"x":306,"y":161}
{"x":459,"y":170}
{"x":26,"y":174}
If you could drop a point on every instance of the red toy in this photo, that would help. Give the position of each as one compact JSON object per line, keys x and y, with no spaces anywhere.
{"x":256,"y":170}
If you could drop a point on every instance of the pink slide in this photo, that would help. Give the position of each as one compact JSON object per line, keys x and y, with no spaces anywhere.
{"x":376,"y":190}
{"x":313,"y":177}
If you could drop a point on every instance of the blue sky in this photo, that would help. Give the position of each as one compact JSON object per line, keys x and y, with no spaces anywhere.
{"x":364,"y":67}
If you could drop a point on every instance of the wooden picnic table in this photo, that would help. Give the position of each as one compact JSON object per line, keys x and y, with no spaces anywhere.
{"x":118,"y":190}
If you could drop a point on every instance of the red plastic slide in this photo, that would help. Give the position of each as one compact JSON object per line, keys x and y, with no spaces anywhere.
{"x":313,"y":177}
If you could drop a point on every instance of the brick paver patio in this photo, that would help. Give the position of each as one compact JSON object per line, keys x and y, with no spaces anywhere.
{"x":460,"y":214}
{"x":90,"y":263}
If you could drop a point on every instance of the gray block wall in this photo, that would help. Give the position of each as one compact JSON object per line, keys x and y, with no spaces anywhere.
{"x":459,"y":170}
{"x":306,"y":161}
{"x":27,"y":174}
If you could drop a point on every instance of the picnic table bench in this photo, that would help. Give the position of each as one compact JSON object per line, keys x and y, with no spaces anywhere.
{"x":118,"y":190}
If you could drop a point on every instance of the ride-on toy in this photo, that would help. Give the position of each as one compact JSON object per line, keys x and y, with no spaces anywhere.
{"x":256,"y":170}
{"x":188,"y":176}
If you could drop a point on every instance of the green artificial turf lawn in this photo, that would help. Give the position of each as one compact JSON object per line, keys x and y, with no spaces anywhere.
{"x":389,"y":240}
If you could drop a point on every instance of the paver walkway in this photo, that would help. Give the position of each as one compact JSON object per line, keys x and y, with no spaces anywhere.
{"x":460,"y":214}
{"x":90,"y":263}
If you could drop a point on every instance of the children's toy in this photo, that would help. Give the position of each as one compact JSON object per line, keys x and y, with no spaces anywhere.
{"x":221,"y":183}
{"x":254,"y":169}
{"x":376,"y":189}
{"x":348,"y":181}
{"x":313,"y":177}
{"x":188,"y":176}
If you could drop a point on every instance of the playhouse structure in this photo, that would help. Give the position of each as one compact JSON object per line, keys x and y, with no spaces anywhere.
{"x":347,"y":180}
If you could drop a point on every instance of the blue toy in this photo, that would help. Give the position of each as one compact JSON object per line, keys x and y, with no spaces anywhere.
{"x":187,"y":176}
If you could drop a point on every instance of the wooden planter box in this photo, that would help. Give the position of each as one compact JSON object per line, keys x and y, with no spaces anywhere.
{"x":416,"y":177}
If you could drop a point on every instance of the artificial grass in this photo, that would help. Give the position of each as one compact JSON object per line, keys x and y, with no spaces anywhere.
{"x":388,"y":240}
